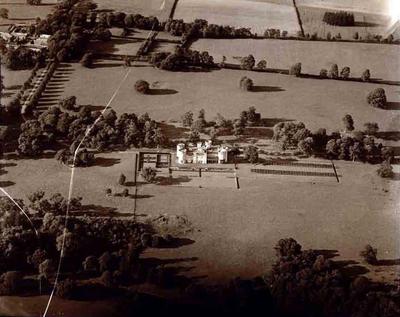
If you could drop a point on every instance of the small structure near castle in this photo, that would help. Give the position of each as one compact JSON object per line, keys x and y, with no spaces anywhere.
{"x":201,"y":153}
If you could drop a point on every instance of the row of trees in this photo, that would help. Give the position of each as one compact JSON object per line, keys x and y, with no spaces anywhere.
{"x":339,"y":18}
{"x":106,"y":131}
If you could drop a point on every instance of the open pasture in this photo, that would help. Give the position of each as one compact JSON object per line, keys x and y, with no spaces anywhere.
{"x":312,"y":55}
{"x":158,"y":8}
{"x":258,"y":16}
{"x":318,"y":103}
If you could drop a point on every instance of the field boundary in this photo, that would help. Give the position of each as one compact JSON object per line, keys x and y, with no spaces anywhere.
{"x":292,"y":173}
{"x":299,"y":18}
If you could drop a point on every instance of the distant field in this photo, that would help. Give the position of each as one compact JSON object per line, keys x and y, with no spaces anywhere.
{"x":367,"y":6}
{"x":240,"y":13}
{"x":143,"y":7}
{"x":382,"y":60}
{"x":366,"y":23}
{"x":20,"y":12}
{"x":319,"y":103}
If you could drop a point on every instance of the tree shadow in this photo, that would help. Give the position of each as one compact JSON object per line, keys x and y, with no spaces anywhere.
{"x":388,"y":135}
{"x":176,"y":243}
{"x":160,"y":92}
{"x":105,"y":162}
{"x":266,"y":89}
{"x":366,"y":24}
{"x":388,"y":262}
{"x":6,"y":183}
{"x":392,"y":106}
{"x":329,"y":254}
{"x":13,"y":87}
{"x":165,"y":180}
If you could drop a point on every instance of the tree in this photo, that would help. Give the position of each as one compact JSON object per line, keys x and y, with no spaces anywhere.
{"x":248,"y":62}
{"x":334,"y":72}
{"x":306,"y":145}
{"x":262,"y":64}
{"x":385,"y":170}
{"x":187,"y":119}
{"x":149,"y":174}
{"x":194,"y":136}
{"x":295,"y":70}
{"x":323,"y":73}
{"x":369,"y":254}
{"x":246,"y":83}
{"x":142,"y":86}
{"x":251,"y":154}
{"x":87,"y":60}
{"x":345,"y":73}
{"x":122,"y":179}
{"x":4,"y":13}
{"x":356,"y":36}
{"x":348,"y":122}
{"x":377,"y":98}
{"x":366,"y":75}
{"x":287,"y":248}
{"x":68,"y":103}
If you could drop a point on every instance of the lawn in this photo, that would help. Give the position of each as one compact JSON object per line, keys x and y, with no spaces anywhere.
{"x":240,"y":13}
{"x":319,"y":103}
{"x":382,"y":60}
{"x":144,"y":7}
{"x":13,"y":80}
{"x":235,"y":230}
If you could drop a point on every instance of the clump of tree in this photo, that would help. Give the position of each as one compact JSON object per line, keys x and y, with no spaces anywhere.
{"x":68,"y":103}
{"x":21,"y":58}
{"x":377,"y":98}
{"x":323,"y":73}
{"x":345,"y":73}
{"x":247,"y":62}
{"x":262,"y":64}
{"x":246,"y":84}
{"x":339,"y":18}
{"x":290,"y":133}
{"x":251,"y":154}
{"x":142,"y":86}
{"x":334,"y":72}
{"x":295,"y":70}
{"x":385,"y":170}
{"x":366,"y":75}
{"x":82,"y":158}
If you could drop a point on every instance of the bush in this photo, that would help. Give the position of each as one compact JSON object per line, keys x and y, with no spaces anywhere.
{"x":142,"y":86}
{"x":122,"y":179}
{"x":369,"y":254}
{"x":149,"y":174}
{"x":377,"y":98}
{"x":385,"y":170}
{"x":295,"y":70}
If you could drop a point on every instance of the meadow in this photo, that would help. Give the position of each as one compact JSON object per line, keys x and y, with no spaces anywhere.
{"x":313,"y":56}
{"x":240,"y":13}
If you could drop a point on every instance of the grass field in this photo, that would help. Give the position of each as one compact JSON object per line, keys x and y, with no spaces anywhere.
{"x":240,"y":13}
{"x":382,"y":60}
{"x":143,"y":7}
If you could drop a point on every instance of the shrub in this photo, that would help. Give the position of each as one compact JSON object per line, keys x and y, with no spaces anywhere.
{"x":323,"y":73}
{"x":385,"y":170}
{"x":377,"y":98}
{"x":246,"y":83}
{"x":366,"y":75}
{"x":295,"y":70}
{"x":369,"y":254}
{"x":149,"y":174}
{"x":251,"y":154}
{"x":122,"y":179}
{"x":142,"y":86}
